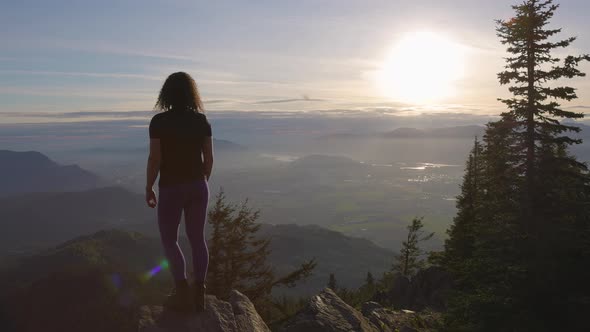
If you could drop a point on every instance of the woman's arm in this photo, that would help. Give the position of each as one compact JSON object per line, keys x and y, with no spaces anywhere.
{"x":153,"y":168}
{"x":207,"y":156}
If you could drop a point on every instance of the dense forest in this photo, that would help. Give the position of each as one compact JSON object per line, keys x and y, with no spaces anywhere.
{"x":519,"y":247}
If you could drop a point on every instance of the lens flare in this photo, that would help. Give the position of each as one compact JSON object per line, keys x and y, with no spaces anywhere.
{"x":116,"y":281}
{"x":155,"y":270}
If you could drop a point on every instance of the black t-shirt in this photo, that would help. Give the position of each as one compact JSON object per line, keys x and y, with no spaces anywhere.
{"x":181,"y":134}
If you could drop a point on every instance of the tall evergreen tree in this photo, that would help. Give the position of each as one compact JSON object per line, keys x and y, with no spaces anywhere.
{"x":370,"y":280}
{"x":529,"y":233}
{"x":410,"y":259}
{"x":238,"y":256}
{"x":332,"y":284}
{"x":554,"y":182}
{"x":369,"y":288}
{"x":530,"y":68}
{"x":461,"y":241}
{"x":483,"y":250}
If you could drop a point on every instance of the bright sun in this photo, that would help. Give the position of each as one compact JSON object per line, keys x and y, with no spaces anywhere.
{"x":422,"y":68}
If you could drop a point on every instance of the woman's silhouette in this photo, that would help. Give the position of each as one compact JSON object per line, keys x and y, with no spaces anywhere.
{"x":181,"y":151}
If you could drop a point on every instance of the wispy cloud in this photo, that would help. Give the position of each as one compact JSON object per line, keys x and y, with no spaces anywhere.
{"x":78,"y":92}
{"x":241,"y":82}
{"x":83,"y":74}
{"x":210,"y":75}
{"x":221,"y":101}
{"x":106,"y":47}
{"x":292,"y":100}
{"x":450,"y":113}
{"x":81,"y":114}
{"x":583,"y":107}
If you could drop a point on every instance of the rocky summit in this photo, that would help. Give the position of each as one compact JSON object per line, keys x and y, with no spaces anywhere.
{"x":236,"y":315}
{"x":325,"y":312}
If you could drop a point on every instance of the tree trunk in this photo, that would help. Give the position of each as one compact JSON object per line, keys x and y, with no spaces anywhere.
{"x":530,"y":131}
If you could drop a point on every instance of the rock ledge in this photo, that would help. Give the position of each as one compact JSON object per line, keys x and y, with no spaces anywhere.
{"x":237,"y":315}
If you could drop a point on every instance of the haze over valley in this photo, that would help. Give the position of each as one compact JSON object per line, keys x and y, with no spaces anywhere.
{"x":365,"y":181}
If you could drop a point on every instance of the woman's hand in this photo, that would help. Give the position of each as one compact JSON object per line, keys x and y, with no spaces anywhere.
{"x":150,"y":198}
{"x":152,"y":169}
{"x":207,"y":151}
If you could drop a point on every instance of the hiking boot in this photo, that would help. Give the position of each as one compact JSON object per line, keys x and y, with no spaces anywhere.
{"x":199,"y":296}
{"x":179,"y":299}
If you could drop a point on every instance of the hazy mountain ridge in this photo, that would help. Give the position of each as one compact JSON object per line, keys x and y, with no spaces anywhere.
{"x":32,"y":171}
{"x":335,"y":189}
{"x":320,"y":160}
{"x":441,"y":144}
{"x":463,"y":131}
{"x":349,"y":258}
{"x":219,"y":144}
{"x":225,"y":145}
{"x":112,"y":267}
{"x":467,"y":131}
{"x":37,"y":220}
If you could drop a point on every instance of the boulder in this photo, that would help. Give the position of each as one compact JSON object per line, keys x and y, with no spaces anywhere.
{"x":368,"y":307}
{"x":247,"y":319}
{"x":326,"y":312}
{"x":237,"y":315}
{"x":388,"y":320}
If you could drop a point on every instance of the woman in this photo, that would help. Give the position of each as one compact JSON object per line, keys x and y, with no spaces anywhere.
{"x":181,"y":151}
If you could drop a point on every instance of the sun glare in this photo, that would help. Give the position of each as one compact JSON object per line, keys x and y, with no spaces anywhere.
{"x":422,"y":68}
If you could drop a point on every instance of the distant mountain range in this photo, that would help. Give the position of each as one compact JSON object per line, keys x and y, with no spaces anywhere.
{"x":227,"y":146}
{"x":324,"y":161}
{"x":405,"y":132}
{"x":33,"y":222}
{"x":31,"y":171}
{"x":220,"y":145}
{"x":349,"y":258}
{"x":450,"y":132}
{"x":467,"y":132}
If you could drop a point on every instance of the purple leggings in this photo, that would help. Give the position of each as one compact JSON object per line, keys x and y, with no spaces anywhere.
{"x":192,"y":198}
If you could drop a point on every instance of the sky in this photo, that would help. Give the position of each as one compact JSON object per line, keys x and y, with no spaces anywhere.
{"x":103,"y":57}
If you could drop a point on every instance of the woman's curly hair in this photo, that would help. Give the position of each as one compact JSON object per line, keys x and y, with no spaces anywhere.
{"x":179,"y":92}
